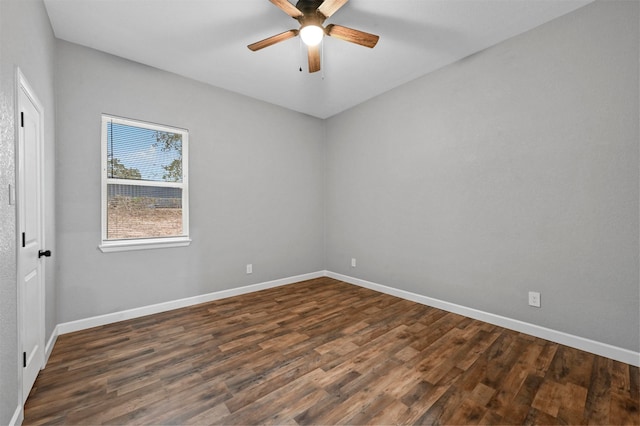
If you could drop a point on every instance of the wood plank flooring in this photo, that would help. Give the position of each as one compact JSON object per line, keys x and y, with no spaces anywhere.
{"x":324,"y":352}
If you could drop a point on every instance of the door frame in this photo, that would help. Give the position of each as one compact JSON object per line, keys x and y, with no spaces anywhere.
{"x":23,"y":84}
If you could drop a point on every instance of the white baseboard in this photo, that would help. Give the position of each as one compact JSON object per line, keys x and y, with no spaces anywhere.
{"x":82,"y":324}
{"x":18,"y":416}
{"x":50,"y":344}
{"x":603,"y":349}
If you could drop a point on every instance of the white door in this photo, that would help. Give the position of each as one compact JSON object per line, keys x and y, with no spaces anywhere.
{"x":30,"y":235}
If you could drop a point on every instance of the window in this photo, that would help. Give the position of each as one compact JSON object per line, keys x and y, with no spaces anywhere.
{"x":145,"y":190}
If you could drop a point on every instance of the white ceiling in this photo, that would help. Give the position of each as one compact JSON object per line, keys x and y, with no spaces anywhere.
{"x":207,"y":40}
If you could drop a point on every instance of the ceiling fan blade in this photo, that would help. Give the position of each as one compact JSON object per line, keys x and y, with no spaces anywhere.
{"x":329,"y":7}
{"x":351,"y":35}
{"x":273,"y":40}
{"x":314,"y":58}
{"x":287,"y":8}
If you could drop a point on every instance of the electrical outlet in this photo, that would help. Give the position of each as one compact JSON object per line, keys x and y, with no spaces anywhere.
{"x":353,"y":262}
{"x":534,"y":299}
{"x":249,"y":268}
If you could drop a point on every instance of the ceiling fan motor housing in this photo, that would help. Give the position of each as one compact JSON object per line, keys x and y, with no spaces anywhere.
{"x":308,"y":7}
{"x":310,"y":13}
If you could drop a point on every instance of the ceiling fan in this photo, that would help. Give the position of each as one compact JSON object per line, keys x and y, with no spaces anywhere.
{"x":311,"y":14}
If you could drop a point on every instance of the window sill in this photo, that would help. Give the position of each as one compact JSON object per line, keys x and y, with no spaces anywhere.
{"x":155,"y":243}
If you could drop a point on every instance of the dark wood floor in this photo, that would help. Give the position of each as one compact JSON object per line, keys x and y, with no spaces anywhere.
{"x":324,"y":352}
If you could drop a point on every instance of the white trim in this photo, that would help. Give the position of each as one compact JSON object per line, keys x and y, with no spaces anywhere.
{"x":117,"y":181}
{"x":143,"y":244}
{"x":69,"y":327}
{"x":107,"y":245}
{"x":603,"y":349}
{"x":50,"y":344}
{"x":18,"y":416}
{"x":146,"y":124}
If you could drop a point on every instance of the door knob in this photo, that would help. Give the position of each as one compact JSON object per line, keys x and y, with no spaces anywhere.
{"x":45,"y":253}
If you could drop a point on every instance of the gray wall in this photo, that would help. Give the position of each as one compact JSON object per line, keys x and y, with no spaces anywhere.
{"x":515,"y":169}
{"x":512,"y":170}
{"x":26,"y":40}
{"x":256,"y":185}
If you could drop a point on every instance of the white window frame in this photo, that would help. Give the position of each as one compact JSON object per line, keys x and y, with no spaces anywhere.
{"x":107,"y":245}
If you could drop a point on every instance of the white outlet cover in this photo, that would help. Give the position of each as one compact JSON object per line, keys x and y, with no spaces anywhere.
{"x":534,"y":299}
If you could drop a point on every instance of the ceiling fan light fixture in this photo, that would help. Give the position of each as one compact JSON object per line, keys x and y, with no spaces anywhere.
{"x":311,"y":35}
{"x":311,"y":15}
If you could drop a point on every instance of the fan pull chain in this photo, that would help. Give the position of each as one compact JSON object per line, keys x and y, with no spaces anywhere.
{"x":301,"y":56}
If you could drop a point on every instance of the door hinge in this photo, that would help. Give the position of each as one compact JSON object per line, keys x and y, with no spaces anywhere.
{"x":24,"y":239}
{"x":21,"y":119}
{"x":24,"y":359}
